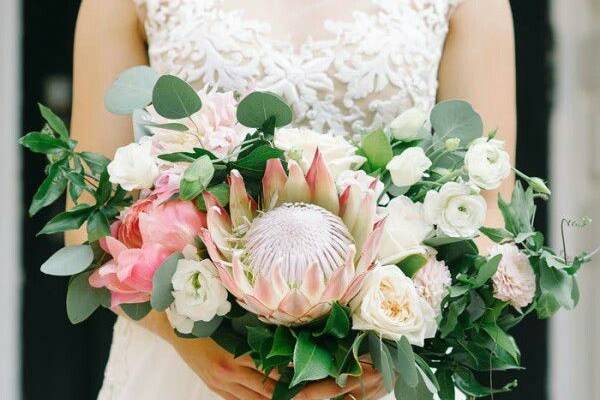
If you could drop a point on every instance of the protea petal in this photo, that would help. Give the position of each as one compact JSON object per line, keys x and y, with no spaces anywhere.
{"x":366,"y":218}
{"x":350,"y":203}
{"x":313,"y":283}
{"x":220,"y":229}
{"x":255,"y":306}
{"x":295,"y":304}
{"x":340,"y":280}
{"x":371,"y":248}
{"x":213,"y":252}
{"x":239,"y":274}
{"x":228,"y":281}
{"x":322,"y":185}
{"x":296,"y":188}
{"x":273,"y":183}
{"x":210,"y":200}
{"x":265,"y":293}
{"x":241,"y":205}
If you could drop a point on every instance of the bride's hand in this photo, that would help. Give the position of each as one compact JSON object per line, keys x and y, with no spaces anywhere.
{"x":231,"y":378}
{"x":371,"y":388}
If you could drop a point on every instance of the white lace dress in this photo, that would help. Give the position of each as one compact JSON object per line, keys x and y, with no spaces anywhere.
{"x":344,"y":66}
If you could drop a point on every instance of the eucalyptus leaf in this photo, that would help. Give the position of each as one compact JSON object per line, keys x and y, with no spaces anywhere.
{"x":174,"y":98}
{"x":131,"y":90}
{"x":456,"y":119}
{"x":69,"y":260}
{"x":405,"y":363}
{"x":140,"y":119}
{"x":203,"y":329}
{"x":82,"y":299}
{"x":162,"y":287}
{"x":382,"y":360}
{"x":467,"y":383}
{"x":196,"y":178}
{"x":256,"y":109}
{"x":311,"y":361}
{"x":136,"y":311}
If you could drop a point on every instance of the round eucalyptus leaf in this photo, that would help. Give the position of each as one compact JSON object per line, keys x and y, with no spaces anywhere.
{"x":205,"y":329}
{"x":131,"y":90}
{"x":82,"y":299}
{"x":258,"y":108}
{"x":161,"y":283}
{"x":140,"y":117}
{"x":136,"y":311}
{"x":456,"y":119}
{"x":69,"y":260}
{"x":174,"y":98}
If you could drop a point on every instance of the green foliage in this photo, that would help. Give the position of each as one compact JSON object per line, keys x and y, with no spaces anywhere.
{"x":196,"y":178}
{"x":82,"y":299}
{"x":173,"y":98}
{"x":456,"y":119}
{"x":162,"y":297}
{"x":264,"y":111}
{"x":337,"y":323}
{"x":311,"y":361}
{"x":520,"y":212}
{"x":253,"y":165}
{"x":69,"y":260}
{"x":377,"y":149}
{"x":131,"y":90}
{"x":412,"y":264}
{"x":382,"y":360}
{"x":221,"y":193}
{"x":136,"y":311}
{"x":204,"y":329}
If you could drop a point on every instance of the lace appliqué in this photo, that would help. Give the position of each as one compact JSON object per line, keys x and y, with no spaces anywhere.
{"x":368,"y":71}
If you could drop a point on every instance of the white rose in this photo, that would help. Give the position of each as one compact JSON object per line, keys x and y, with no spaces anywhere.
{"x":408,"y":124}
{"x":133,"y":167}
{"x":300,"y":144}
{"x":361,"y":179}
{"x":404,"y":230}
{"x":487,"y":163}
{"x":409,"y":167}
{"x":198,"y":292}
{"x":457,"y":209}
{"x":389,"y":304}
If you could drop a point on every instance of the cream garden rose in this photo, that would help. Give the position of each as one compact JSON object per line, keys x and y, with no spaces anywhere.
{"x":407,"y":125}
{"x":300,"y":145}
{"x":198,"y":293}
{"x":487,"y":163}
{"x":134,"y":167}
{"x":458,"y":210}
{"x":389,"y":304}
{"x":409,"y":167}
{"x":404,"y":231}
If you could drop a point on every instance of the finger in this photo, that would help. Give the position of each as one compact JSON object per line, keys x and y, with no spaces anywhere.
{"x":225,"y":395}
{"x":374,"y":391}
{"x":325,"y":390}
{"x":245,"y":361}
{"x":255,"y":381}
{"x":245,"y":393}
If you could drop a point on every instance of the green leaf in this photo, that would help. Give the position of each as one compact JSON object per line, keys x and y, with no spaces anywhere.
{"x":257,"y":335}
{"x":467,"y":383}
{"x":256,"y":161}
{"x":69,"y":260}
{"x":230,"y":340}
{"x":402,"y":391}
{"x":349,"y":364}
{"x":131,"y":90}
{"x":68,"y":220}
{"x":43,"y":143}
{"x":337,"y":323}
{"x":456,"y":119}
{"x":203,"y":329}
{"x":171,"y":126}
{"x":412,"y":264}
{"x":546,"y":306}
{"x":54,"y":121}
{"x":162,"y":287}
{"x":443,"y":240}
{"x":174,"y":98}
{"x":487,"y":270}
{"x":96,"y":162}
{"x":476,"y":307}
{"x":283,"y":342}
{"x":97,"y":226}
{"x":258,"y":108}
{"x":518,"y":214}
{"x":444,"y":377}
{"x":283,"y":391}
{"x":382,"y":360}
{"x":450,"y":320}
{"x":50,"y":190}
{"x":311,"y":362}
{"x":82,"y":299}
{"x":196,"y":178}
{"x":76,"y":185}
{"x":503,"y":340}
{"x":178,"y":157}
{"x":497,"y":235}
{"x":558,"y":283}
{"x":136,"y":311}
{"x":104,"y":190}
{"x":405,"y":363}
{"x":221,"y":193}
{"x":378,"y":150}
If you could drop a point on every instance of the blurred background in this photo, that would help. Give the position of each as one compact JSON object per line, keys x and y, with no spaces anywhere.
{"x":43,"y":357}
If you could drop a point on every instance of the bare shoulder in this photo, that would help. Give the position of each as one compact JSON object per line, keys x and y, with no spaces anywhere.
{"x":492,"y":16}
{"x":109,"y":14}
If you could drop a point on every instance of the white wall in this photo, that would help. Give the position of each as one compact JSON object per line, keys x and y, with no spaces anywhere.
{"x":10,"y":282}
{"x":575,"y":173}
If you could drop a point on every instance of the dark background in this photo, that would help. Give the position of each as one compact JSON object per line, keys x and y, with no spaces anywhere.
{"x":62,"y":362}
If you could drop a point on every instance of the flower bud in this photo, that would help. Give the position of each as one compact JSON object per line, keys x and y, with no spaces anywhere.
{"x":407,"y":125}
{"x":452,"y":144}
{"x":539,"y":186}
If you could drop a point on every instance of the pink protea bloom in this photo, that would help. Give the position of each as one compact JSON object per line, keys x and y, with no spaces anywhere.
{"x":305,"y":248}
{"x":146,"y":234}
{"x":514,"y":281}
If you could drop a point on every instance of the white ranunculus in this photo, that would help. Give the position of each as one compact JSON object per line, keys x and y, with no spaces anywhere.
{"x":198,"y":292}
{"x":487,"y":163}
{"x":404,"y":230}
{"x":133,"y":167}
{"x":300,"y":144}
{"x":409,"y":167}
{"x":361,"y":179}
{"x":457,"y":209}
{"x":389,"y":304}
{"x":408,"y":124}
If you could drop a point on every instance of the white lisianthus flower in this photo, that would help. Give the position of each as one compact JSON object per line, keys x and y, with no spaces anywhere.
{"x":404,"y":230}
{"x":389,"y":304}
{"x":406,"y":126}
{"x":361,"y":179}
{"x":409,"y":167}
{"x":198,"y":292}
{"x":457,"y":209}
{"x":133,"y":167}
{"x":300,"y":144}
{"x":487,"y":163}
{"x":514,"y":281}
{"x":179,"y":322}
{"x":433,"y":281}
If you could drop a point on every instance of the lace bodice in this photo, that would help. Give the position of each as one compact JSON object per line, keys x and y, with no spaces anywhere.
{"x":344,"y":66}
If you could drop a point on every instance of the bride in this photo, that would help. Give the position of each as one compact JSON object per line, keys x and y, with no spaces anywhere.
{"x":343,"y":65}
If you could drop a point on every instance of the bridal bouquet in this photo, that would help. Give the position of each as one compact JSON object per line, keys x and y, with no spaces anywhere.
{"x":312,"y":253}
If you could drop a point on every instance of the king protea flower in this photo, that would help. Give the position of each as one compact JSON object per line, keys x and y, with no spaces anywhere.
{"x":305,"y":248}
